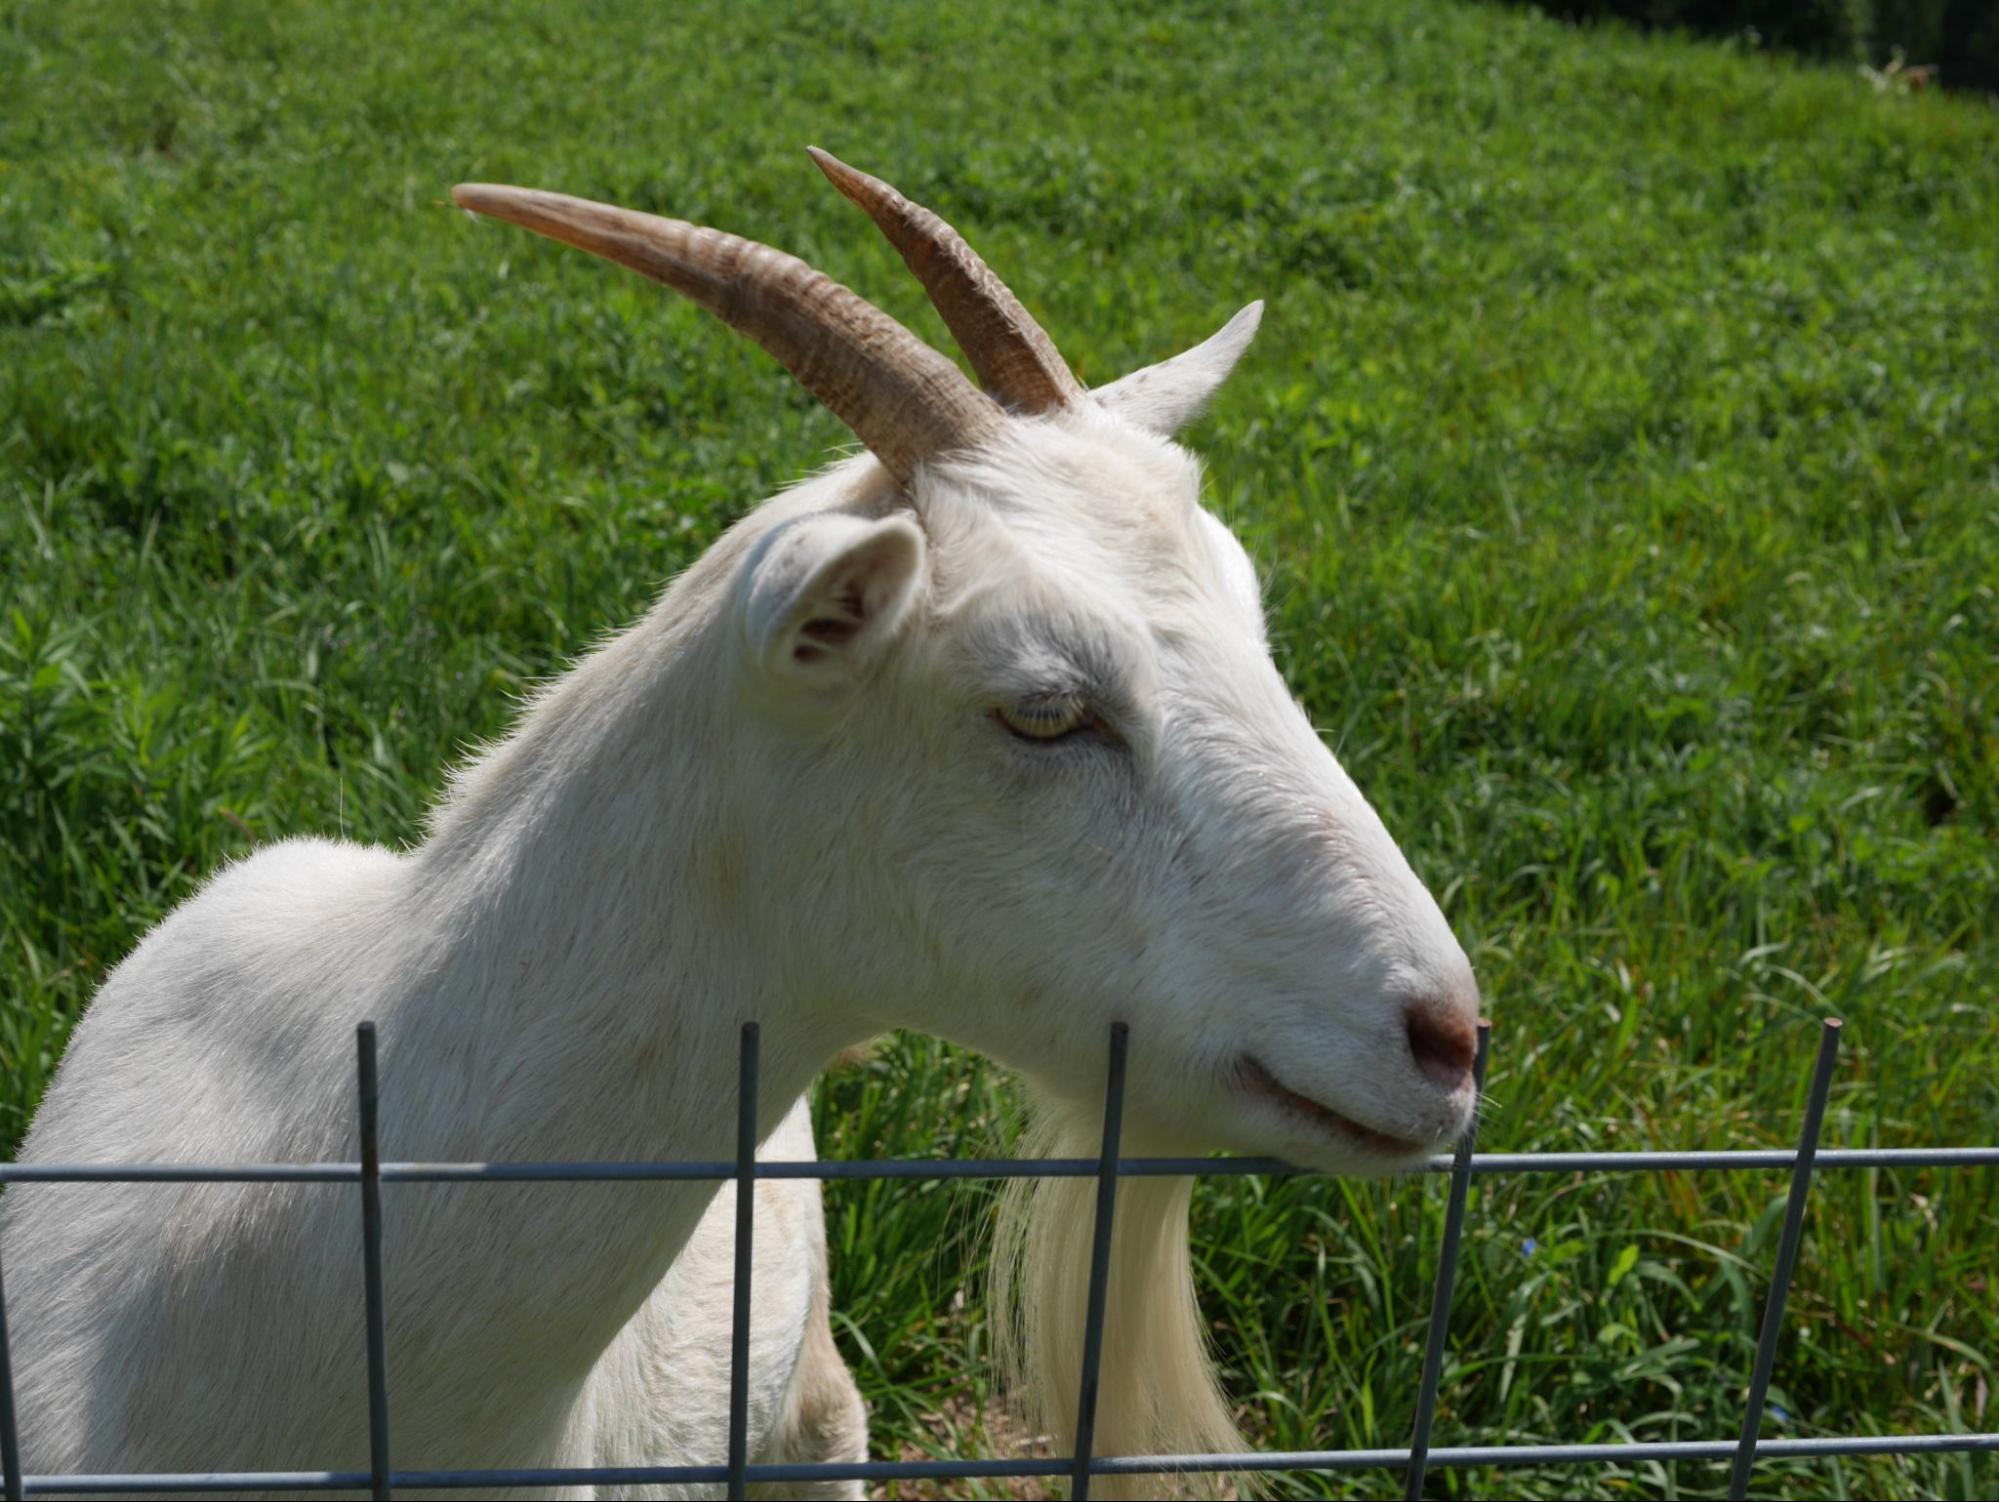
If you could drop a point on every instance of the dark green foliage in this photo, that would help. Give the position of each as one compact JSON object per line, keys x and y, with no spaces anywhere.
{"x":1620,"y":449}
{"x":1958,"y":37}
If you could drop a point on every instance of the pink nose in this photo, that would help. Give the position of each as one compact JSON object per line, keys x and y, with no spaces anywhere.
{"x":1443,"y":1043}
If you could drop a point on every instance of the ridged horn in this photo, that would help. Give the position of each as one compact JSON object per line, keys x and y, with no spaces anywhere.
{"x":903,"y":399}
{"x":1016,"y":361}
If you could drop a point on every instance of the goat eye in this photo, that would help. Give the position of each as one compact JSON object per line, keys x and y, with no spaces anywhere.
{"x":1045,"y":719}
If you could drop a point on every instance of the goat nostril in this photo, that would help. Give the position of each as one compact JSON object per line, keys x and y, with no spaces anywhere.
{"x":1443,"y":1045}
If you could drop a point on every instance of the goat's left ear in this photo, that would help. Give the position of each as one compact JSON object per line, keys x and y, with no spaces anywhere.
{"x":1164,"y":398}
{"x":825,"y":593}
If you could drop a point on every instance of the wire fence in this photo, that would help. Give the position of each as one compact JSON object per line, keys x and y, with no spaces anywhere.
{"x":737,"y":1472}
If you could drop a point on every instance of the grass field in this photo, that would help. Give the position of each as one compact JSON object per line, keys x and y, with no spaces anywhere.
{"x":1621,"y":450}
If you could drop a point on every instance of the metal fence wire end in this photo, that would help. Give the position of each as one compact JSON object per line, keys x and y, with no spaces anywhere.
{"x":1787,"y":1259}
{"x":371,"y":1263}
{"x":1100,"y":1263}
{"x":10,"y":1439}
{"x":746,"y":1220}
{"x":1447,"y":1273}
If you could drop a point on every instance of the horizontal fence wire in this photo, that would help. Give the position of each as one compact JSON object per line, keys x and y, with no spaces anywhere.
{"x":739,"y":1472}
{"x":1458,"y":1457}
{"x":1634,"y":1161}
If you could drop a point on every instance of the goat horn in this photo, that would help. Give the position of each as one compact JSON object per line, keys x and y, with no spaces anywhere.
{"x":902,"y":398}
{"x":1016,"y":361}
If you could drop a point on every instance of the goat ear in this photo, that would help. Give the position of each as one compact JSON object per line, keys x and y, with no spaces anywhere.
{"x":1164,"y":398}
{"x":826,"y":592}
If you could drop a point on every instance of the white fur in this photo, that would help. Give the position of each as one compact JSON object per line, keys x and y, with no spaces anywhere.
{"x":1164,"y":398}
{"x":782,"y":795}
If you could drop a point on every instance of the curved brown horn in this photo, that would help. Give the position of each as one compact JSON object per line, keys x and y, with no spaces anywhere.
{"x":1015,"y":360}
{"x":902,"y":398}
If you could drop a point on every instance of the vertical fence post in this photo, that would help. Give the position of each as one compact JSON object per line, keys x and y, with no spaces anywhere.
{"x":746,"y":1219}
{"x":371,"y":1264}
{"x":1447,"y":1272}
{"x":1787,"y":1257}
{"x":10,"y":1438}
{"x":1100,"y":1264}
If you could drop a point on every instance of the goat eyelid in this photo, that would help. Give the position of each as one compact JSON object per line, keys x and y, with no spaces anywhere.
{"x":1054,"y":720}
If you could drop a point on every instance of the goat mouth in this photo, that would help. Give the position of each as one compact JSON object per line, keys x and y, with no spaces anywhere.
{"x":1258,"y":1080}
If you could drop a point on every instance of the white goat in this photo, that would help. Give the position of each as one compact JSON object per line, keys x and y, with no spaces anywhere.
{"x":977,"y":733}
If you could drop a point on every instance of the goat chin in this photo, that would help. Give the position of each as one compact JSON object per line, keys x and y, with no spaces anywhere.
{"x":1157,"y":1393}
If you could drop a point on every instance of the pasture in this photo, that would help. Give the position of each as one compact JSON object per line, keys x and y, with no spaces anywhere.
{"x":1621,"y":449}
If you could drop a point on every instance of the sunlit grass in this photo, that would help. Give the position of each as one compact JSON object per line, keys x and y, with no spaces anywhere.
{"x":1620,"y":451}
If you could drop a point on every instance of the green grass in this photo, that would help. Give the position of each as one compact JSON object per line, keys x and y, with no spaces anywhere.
{"x":1621,"y":449}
